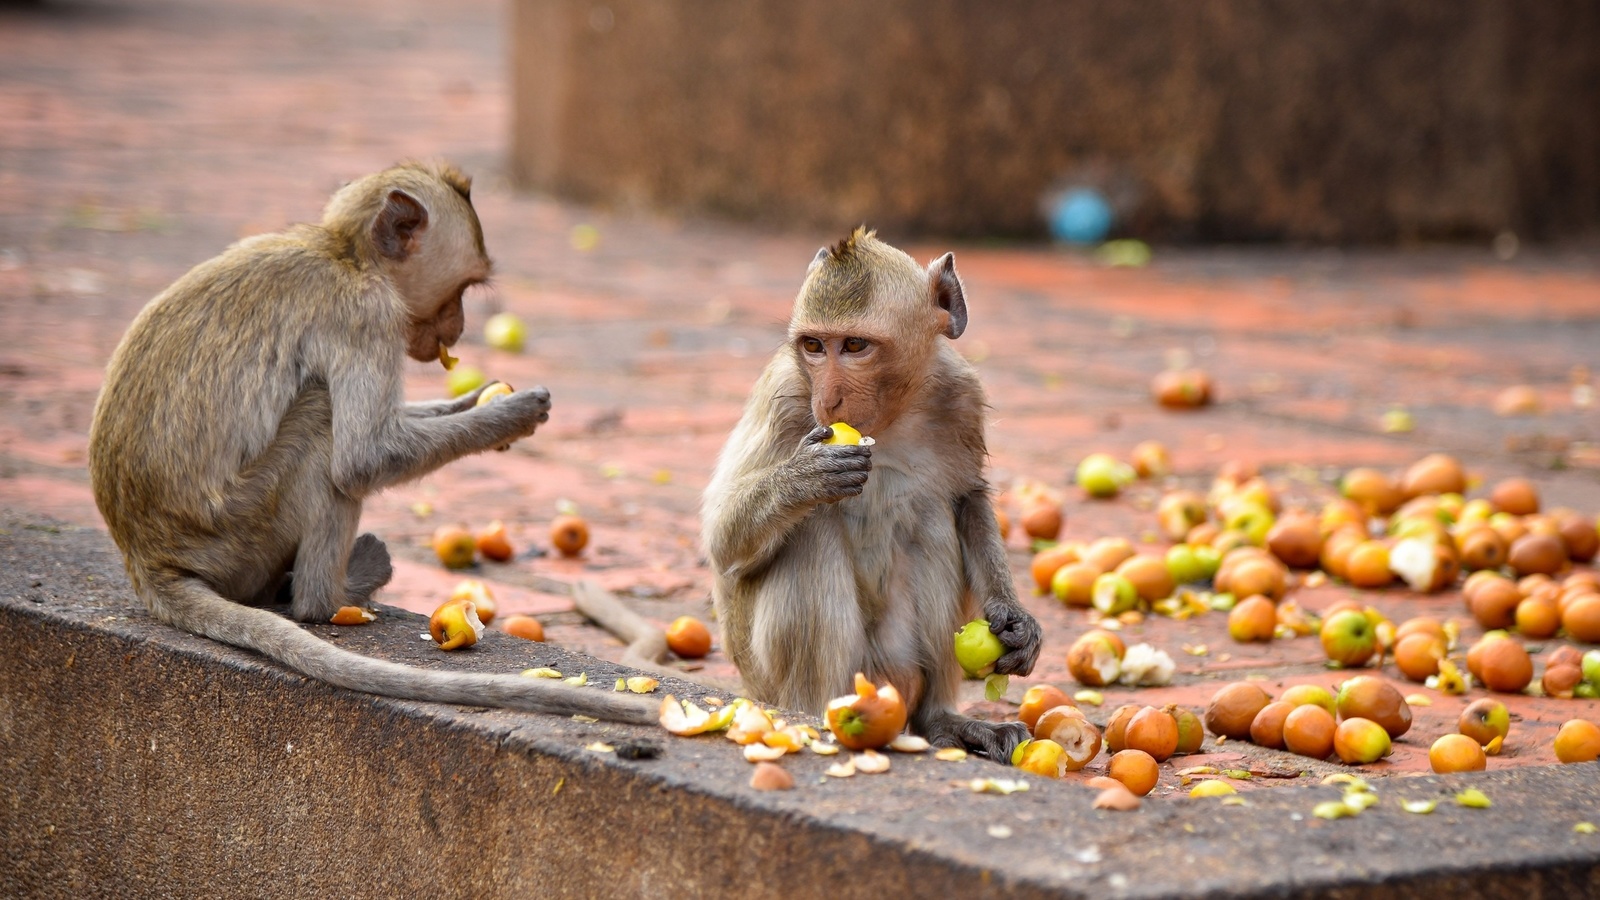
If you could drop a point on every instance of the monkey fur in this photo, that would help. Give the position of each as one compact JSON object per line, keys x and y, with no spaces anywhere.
{"x":828,"y":560}
{"x":254,"y":404}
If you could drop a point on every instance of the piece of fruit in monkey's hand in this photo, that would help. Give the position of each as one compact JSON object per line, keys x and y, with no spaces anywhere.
{"x":844,"y":435}
{"x":978,"y":648}
{"x":455,"y":625}
{"x":491,"y":393}
{"x":868,"y":719}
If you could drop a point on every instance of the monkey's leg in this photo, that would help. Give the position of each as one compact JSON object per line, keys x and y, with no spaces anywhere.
{"x":322,"y":566}
{"x":807,"y":639}
{"x":368,"y":569}
{"x":937,"y":720}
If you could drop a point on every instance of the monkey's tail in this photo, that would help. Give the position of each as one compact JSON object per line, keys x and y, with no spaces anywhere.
{"x":189,"y":604}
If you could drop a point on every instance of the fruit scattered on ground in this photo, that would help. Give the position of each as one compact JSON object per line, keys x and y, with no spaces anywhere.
{"x":688,"y":637}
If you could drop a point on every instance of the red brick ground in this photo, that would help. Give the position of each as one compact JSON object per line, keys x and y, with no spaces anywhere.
{"x":141,"y":138}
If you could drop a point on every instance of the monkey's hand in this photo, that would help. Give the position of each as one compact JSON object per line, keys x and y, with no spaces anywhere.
{"x":828,"y":473}
{"x":1018,"y":631}
{"x":994,"y":740}
{"x":517,"y":414}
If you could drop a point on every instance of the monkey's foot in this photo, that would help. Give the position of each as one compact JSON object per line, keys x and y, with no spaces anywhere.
{"x":990,"y":739}
{"x":368,"y":570}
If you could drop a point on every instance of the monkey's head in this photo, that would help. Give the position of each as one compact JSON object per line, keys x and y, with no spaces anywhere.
{"x":865,"y":324}
{"x":415,"y":222}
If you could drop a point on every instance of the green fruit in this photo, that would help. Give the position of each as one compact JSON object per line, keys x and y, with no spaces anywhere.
{"x":505,"y":331}
{"x":1184,"y":565}
{"x":1253,"y":519}
{"x":977,"y":648}
{"x":463,"y":380}
{"x":1210,"y":558}
{"x":1591,"y":667}
{"x":1114,"y":594}
{"x":1102,"y":475}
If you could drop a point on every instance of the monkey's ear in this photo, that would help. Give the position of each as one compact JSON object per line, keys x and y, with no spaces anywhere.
{"x":397,"y":225}
{"x":948,"y":294}
{"x":817,"y":260}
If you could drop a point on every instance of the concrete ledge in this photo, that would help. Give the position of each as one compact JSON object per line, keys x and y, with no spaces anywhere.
{"x":136,"y":761}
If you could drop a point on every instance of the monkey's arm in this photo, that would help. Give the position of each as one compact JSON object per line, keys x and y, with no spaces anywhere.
{"x":426,"y":408}
{"x":755,"y":509}
{"x":983,"y":555}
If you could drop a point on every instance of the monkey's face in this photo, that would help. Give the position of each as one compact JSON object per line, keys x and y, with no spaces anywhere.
{"x":447,"y":260}
{"x":853,"y":379}
{"x":426,"y":336}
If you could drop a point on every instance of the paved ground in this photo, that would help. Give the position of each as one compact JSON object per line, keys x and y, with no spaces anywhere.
{"x":142,"y":137}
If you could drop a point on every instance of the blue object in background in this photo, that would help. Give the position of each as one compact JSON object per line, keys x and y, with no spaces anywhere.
{"x":1080,"y":216}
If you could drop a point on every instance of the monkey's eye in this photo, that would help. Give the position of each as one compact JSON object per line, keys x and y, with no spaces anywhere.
{"x":855,"y":345}
{"x":811,"y":345}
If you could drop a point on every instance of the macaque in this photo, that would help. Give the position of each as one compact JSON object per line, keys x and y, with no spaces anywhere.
{"x":832,"y":559}
{"x":254,"y":404}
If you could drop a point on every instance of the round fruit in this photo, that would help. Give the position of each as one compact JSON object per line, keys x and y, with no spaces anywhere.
{"x":455,"y":546}
{"x":1368,"y":565}
{"x":1348,"y":638}
{"x":463,"y":380}
{"x":493,"y":392}
{"x":1137,"y":770}
{"x":1377,"y":495}
{"x":1095,"y":658}
{"x":1540,"y":554}
{"x":1456,"y":753}
{"x":1484,"y":720}
{"x":1482,"y":548}
{"x":493,"y":543}
{"x":1419,"y":625}
{"x":1376,"y":699}
{"x":504,"y":331}
{"x":867,"y":719}
{"x":1117,"y":726}
{"x":1538,"y":617}
{"x":1559,"y":681}
{"x":688,"y":637}
{"x":569,"y":535}
{"x":843,"y":434}
{"x":1359,"y":741}
{"x":978,"y":648}
{"x":525,"y":627}
{"x":455,"y":625}
{"x":1265,"y":576}
{"x":1037,"y":700}
{"x":1266,"y":729}
{"x":1582,"y":618}
{"x":1308,"y":730}
{"x":1436,"y":473}
{"x":1296,"y":540}
{"x":1048,"y":561}
{"x":1417,"y":655}
{"x":1041,"y":756}
{"x":1149,"y":576}
{"x":1253,"y":619}
{"x":1042,"y":519}
{"x":1233,"y":708}
{"x":1073,"y":584}
{"x":1191,"y":731}
{"x":1178,"y":512}
{"x":1107,"y":553}
{"x":1181,"y":388}
{"x":1078,"y":738}
{"x":1494,"y":603}
{"x":1578,"y":741}
{"x":1152,"y":731}
{"x":1103,"y":476}
{"x":1113,"y":594}
{"x":1313,"y":694}
{"x":1516,"y":496}
{"x":1504,"y":666}
{"x":481,"y":597}
{"x":1150,"y":459}
{"x":1566,"y":655}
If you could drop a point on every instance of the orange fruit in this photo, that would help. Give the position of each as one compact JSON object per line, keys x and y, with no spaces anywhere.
{"x":1538,"y":617}
{"x":493,"y":543}
{"x":688,"y":637}
{"x":1153,"y":731}
{"x":1042,"y":519}
{"x":1263,"y":575}
{"x":1296,"y":540}
{"x":1504,"y":666}
{"x":1419,"y":625}
{"x":1233,"y":707}
{"x":1559,"y":680}
{"x":1578,"y":741}
{"x":1107,"y":553}
{"x":569,"y":535}
{"x":1417,"y":655}
{"x":1372,"y":489}
{"x":1149,"y":575}
{"x":1117,"y":726}
{"x":1537,"y":554}
{"x":525,"y":627}
{"x":1254,"y":618}
{"x":1494,"y":604}
{"x":1516,"y":496}
{"x":1368,"y":565}
{"x":455,"y":546}
{"x":1047,"y":561}
{"x":1308,"y":730}
{"x":1436,"y":473}
{"x":1266,"y":729}
{"x":1456,"y":753}
{"x":1482,"y":548}
{"x":1073,"y":584}
{"x":1039,"y":698}
{"x":1582,"y":618}
{"x":1137,"y":770}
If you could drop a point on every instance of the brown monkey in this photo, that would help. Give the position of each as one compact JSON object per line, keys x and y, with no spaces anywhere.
{"x":830,"y":560}
{"x":255,"y":403}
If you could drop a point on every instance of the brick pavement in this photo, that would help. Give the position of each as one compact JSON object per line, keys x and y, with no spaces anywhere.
{"x":140,"y":139}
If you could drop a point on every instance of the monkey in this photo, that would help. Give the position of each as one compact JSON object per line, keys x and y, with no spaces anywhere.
{"x":253,"y":405}
{"x":827,"y":559}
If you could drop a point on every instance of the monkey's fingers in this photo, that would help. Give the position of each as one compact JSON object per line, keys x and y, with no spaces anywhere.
{"x":993,"y":740}
{"x":1021,"y":636}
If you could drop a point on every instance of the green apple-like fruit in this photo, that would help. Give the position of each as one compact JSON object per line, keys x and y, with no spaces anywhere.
{"x":463,"y":380}
{"x":504,"y":331}
{"x":1484,"y":720}
{"x":1311,"y":695}
{"x":1360,"y":741}
{"x":1114,"y":594}
{"x":1349,"y":638}
{"x":1591,"y":667}
{"x":1184,"y":565}
{"x":977,"y":648}
{"x":1210,"y":558}
{"x":1251,"y":518}
{"x":1102,"y":475}
{"x":1178,"y":512}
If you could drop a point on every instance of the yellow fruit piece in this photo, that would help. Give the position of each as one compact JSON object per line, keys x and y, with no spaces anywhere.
{"x":682,"y":718}
{"x":1420,"y":807}
{"x":578,"y":680}
{"x":1212,"y":788}
{"x":1474,"y":799}
{"x":950,"y":754}
{"x":642,"y":684}
{"x":445,"y":359}
{"x":843,"y":434}
{"x":493,"y":392}
{"x":1334,"y":809}
{"x":455,"y":625}
{"x":541,"y":672}
{"x":1585,"y":828}
{"x":352,"y":615}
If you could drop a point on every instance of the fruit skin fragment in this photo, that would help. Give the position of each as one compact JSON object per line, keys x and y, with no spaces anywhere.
{"x":541,"y":672}
{"x":1474,"y":799}
{"x":578,"y":680}
{"x":1093,"y":698}
{"x":353,"y":615}
{"x":1420,"y":807}
{"x":759,"y":752}
{"x":1002,"y":786}
{"x":1334,"y":809}
{"x":1212,"y":788}
{"x":870,"y":762}
{"x":909,"y":743}
{"x":1585,"y":828}
{"x":1118,"y":799}
{"x":950,"y":754}
{"x":642,"y":684}
{"x":771,"y":777}
{"x":841,"y":769}
{"x":683,"y":718}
